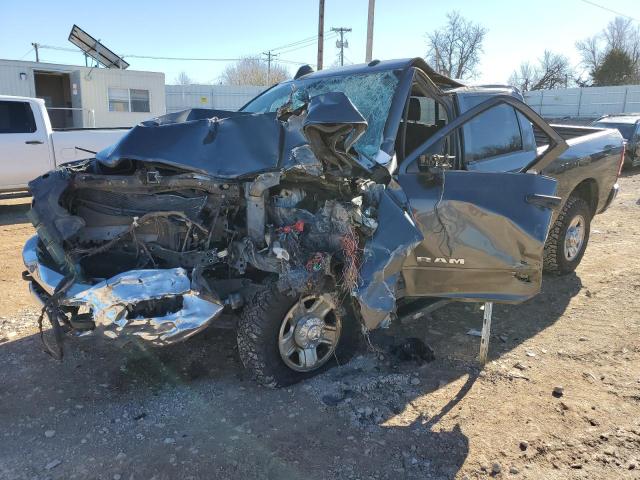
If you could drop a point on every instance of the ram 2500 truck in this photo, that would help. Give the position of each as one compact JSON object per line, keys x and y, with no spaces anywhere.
{"x":30,"y":147}
{"x":315,"y":212}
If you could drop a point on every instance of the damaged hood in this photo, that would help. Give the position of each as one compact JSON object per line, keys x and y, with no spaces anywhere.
{"x":227,"y":144}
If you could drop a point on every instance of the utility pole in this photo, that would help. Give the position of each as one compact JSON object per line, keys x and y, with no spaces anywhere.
{"x":369,"y":54}
{"x":342,"y":43}
{"x":269,"y":56}
{"x":35,"y":47}
{"x":320,"y":35}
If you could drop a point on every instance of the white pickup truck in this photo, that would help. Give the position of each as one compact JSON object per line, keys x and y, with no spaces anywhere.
{"x":29,"y":146}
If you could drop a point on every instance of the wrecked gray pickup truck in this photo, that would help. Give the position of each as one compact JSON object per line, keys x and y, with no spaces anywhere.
{"x":296,"y":213}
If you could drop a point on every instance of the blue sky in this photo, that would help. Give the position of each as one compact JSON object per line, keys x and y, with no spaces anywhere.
{"x":518,"y":30}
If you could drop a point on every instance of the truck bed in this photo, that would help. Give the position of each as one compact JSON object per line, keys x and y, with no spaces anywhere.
{"x":76,"y":144}
{"x":567,"y":132}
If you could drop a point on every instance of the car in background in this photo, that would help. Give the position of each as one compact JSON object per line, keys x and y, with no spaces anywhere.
{"x":628,"y":124}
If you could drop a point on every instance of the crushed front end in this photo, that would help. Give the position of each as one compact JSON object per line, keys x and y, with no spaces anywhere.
{"x":191,"y":214}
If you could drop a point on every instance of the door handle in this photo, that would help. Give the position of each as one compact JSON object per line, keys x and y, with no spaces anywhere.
{"x":544,"y":201}
{"x":34,"y":142}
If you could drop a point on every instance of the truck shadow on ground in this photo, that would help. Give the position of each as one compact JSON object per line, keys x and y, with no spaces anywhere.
{"x":630,"y":172}
{"x":358,"y":418}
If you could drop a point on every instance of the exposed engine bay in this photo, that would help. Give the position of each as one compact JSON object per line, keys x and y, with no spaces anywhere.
{"x":221,"y":230}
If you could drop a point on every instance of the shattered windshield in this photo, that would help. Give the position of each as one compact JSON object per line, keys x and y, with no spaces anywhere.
{"x":371,"y":93}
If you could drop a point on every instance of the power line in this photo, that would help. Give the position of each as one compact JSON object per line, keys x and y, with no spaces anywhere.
{"x":63,"y":49}
{"x":153,"y":57}
{"x":30,"y":50}
{"x":328,"y":36}
{"x":610,"y":10}
{"x":195,"y":59}
{"x":304,"y":40}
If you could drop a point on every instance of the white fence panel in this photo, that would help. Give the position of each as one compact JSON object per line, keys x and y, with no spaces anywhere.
{"x":589,"y":102}
{"x":223,"y":97}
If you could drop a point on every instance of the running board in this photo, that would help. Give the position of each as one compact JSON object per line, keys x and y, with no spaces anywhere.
{"x":8,"y":196}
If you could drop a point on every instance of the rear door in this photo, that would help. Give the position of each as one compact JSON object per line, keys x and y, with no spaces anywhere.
{"x":24,"y":150}
{"x":484,"y":232}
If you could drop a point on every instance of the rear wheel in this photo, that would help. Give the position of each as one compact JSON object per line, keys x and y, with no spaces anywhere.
{"x":568,"y":237}
{"x":284,"y":340}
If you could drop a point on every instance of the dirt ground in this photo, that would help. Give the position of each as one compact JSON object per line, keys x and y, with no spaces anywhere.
{"x":191,"y":411}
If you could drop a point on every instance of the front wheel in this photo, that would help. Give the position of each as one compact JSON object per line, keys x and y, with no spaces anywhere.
{"x":568,"y":237}
{"x":284,"y":340}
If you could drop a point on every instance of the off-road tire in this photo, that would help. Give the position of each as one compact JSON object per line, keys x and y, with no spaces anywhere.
{"x":258,"y":330}
{"x":554,"y":259}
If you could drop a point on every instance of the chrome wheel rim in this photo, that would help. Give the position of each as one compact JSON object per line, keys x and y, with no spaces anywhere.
{"x":574,"y":238}
{"x":309,"y":333}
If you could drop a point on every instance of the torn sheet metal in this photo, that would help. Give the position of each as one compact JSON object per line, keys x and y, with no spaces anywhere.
{"x":46,"y":277}
{"x":332,"y":126}
{"x":370,"y":93}
{"x":384,"y":255}
{"x":115,"y":305}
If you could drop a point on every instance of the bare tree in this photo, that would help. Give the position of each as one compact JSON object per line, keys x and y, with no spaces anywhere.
{"x":590,"y":52}
{"x":619,"y":35}
{"x":183,"y":79}
{"x":523,"y":77}
{"x":253,"y":71}
{"x":454,"y":50}
{"x":551,"y":71}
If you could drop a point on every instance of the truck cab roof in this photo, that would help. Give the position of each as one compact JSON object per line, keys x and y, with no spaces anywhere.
{"x":384,"y":65}
{"x":20,"y":99}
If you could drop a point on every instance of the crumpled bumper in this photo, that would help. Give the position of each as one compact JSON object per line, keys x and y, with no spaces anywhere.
{"x":121,"y":305}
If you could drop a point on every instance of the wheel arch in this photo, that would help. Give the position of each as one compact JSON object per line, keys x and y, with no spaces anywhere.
{"x":587,"y":189}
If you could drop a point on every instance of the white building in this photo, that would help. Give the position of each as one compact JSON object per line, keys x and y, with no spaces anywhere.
{"x":79,"y":96}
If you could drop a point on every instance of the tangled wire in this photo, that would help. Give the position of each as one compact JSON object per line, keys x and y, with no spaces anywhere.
{"x":352,"y":255}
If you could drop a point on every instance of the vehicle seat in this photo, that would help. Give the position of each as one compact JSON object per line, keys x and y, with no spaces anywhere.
{"x":417,"y":133}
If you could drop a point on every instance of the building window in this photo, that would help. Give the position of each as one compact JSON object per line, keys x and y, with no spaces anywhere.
{"x":128,"y":100}
{"x":139,"y":100}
